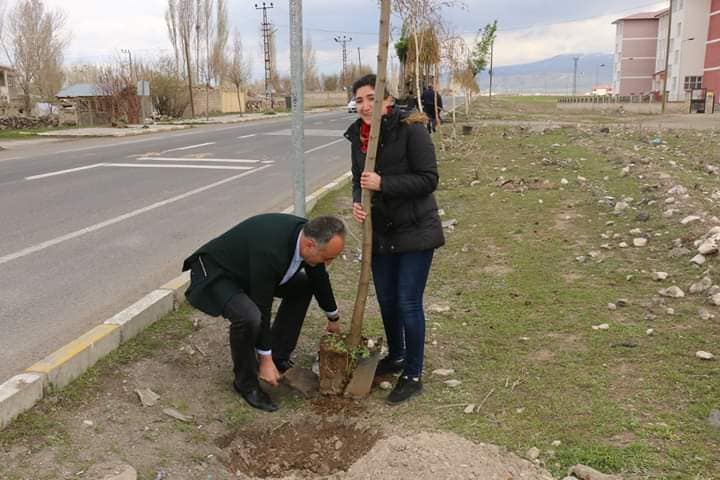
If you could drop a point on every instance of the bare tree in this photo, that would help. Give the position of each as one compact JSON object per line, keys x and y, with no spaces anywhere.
{"x":181,"y":19}
{"x":172,"y":27}
{"x":238,"y":70}
{"x":331,"y":83}
{"x":34,"y":42}
{"x":312,"y":79}
{"x":218,"y":62}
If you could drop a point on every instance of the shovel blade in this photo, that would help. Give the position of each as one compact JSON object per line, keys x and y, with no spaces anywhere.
{"x":362,"y":378}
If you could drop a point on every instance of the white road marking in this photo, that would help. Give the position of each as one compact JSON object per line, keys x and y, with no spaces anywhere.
{"x":309,"y":132}
{"x":324,"y":146}
{"x":190,"y":147}
{"x":62,"y":172}
{"x":153,"y":165}
{"x":220,"y":160}
{"x":247,"y":136}
{"x":93,"y":228}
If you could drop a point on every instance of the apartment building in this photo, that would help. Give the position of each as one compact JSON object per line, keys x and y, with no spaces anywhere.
{"x":711,"y":78}
{"x":635,"y":54}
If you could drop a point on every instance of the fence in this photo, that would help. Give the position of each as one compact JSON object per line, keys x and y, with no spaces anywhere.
{"x":648,"y":104}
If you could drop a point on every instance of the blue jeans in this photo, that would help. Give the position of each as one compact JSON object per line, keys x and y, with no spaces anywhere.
{"x":400,"y":280}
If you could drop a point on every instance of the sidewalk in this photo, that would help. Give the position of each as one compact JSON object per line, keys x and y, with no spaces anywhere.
{"x":246,"y":117}
{"x":112,"y":132}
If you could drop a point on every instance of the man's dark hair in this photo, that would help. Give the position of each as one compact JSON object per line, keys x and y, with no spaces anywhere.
{"x":322,"y":229}
{"x":365,"y":81}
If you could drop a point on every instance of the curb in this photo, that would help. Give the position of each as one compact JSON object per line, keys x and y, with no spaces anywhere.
{"x":121,"y":132}
{"x":21,"y":392}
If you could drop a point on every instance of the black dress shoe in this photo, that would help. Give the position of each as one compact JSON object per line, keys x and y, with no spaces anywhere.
{"x":283,"y":365}
{"x":256,"y":398}
{"x":388,"y":366}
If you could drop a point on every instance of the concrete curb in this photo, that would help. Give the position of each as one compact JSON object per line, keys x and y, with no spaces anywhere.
{"x":60,"y":368}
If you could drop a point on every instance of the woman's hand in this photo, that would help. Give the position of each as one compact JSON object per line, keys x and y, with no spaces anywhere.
{"x":359,"y":213}
{"x":371,"y":181}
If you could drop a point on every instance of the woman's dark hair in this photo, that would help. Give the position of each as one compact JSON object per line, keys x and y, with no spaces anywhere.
{"x":365,"y":81}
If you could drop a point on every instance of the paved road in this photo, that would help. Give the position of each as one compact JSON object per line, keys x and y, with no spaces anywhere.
{"x":89,"y":226}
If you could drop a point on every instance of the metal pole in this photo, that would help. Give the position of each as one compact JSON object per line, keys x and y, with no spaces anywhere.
{"x":298,"y":103}
{"x":359,"y":60}
{"x":344,"y":40}
{"x":266,"y":49}
{"x":667,"y":59}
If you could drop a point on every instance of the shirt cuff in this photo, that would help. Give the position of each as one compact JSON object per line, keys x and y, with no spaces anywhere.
{"x":333,"y":316}
{"x":264,"y":353}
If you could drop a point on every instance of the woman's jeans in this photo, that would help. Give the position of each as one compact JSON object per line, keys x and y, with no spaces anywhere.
{"x":400,"y":280}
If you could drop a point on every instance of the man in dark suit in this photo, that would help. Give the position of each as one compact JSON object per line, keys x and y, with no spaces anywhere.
{"x":429,"y":106}
{"x":238,"y":274}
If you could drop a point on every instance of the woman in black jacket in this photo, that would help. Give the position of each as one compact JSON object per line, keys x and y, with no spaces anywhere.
{"x":406,"y":227}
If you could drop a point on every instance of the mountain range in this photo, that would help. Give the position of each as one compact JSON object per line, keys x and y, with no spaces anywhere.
{"x":552,"y":76}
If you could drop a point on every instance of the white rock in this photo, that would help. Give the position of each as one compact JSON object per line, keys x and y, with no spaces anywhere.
{"x":470,"y":408}
{"x":670,"y":200}
{"x":581,"y":179}
{"x":701,"y":286}
{"x":708,"y":247}
{"x":677,"y":190}
{"x":621,"y":206}
{"x":612,"y":306}
{"x":385,"y":385}
{"x":148,"y":398}
{"x":669,"y":212}
{"x":443,"y":372}
{"x":564,"y":181}
{"x":715,"y":299}
{"x":625,"y":172}
{"x":636,"y":231}
{"x":475,"y":183}
{"x":171,"y":412}
{"x":623,"y":245}
{"x":659,"y":276}
{"x":698,"y":259}
{"x":649,"y":332}
{"x":437,"y":308}
{"x":452,"y":383}
{"x":602,"y":326}
{"x":704,"y":355}
{"x":556,"y":443}
{"x":689,"y":219}
{"x":672,"y":292}
{"x":640,"y":242}
{"x":705,"y":314}
{"x":533,"y":453}
{"x":88,"y":423}
{"x":670,"y":311}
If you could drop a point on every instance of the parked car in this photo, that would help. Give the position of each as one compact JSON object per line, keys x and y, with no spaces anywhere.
{"x":352,"y":106}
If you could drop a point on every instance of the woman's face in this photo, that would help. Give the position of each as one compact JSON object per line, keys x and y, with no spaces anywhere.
{"x":364,"y":99}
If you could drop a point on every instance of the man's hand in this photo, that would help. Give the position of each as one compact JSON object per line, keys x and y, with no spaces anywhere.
{"x":333,"y":327}
{"x":267,"y":371}
{"x":359,"y":214}
{"x":371,"y":181}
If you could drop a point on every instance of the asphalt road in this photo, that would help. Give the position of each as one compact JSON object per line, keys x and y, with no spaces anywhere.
{"x":87,"y":227}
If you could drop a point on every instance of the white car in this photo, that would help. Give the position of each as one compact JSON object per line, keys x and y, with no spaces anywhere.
{"x":352,"y":106}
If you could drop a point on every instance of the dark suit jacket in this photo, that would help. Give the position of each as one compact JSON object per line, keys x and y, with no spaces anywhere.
{"x":253,"y":257}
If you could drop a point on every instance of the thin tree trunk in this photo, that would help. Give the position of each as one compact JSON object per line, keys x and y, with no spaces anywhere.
{"x":364,"y":282}
{"x":189,"y":70}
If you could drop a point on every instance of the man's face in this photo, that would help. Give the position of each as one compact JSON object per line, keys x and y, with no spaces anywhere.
{"x":314,"y":255}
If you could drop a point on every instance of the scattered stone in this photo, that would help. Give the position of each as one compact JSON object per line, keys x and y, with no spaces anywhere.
{"x":626,"y":344}
{"x":708,"y":247}
{"x":443,"y":372}
{"x":470,"y":408}
{"x":533,"y":453}
{"x":714,"y":418}
{"x":519,"y":410}
{"x":705,"y":314}
{"x":171,"y":412}
{"x":449,"y":223}
{"x":670,"y":311}
{"x":636,"y":231}
{"x":677,"y":190}
{"x":659,"y":276}
{"x":620,"y":207}
{"x":583,"y":472}
{"x":148,"y":398}
{"x":669,"y":212}
{"x":612,"y":306}
{"x":556,"y":443}
{"x":701,"y":286}
{"x":625,"y":172}
{"x":581,"y":179}
{"x":88,"y":423}
{"x":715,"y":299}
{"x":385,"y":385}
{"x":452,"y":383}
{"x":111,"y":471}
{"x":564,"y":181}
{"x":704,"y":355}
{"x":441,"y":212}
{"x":475,"y":183}
{"x":622,"y":302}
{"x":642,"y":217}
{"x":698,"y":259}
{"x":623,"y":245}
{"x":649,"y":332}
{"x":689,"y":219}
{"x":672,"y":292}
{"x":594,"y":254}
{"x":714,"y":290}
{"x":602,"y":326}
{"x":640,"y":242}
{"x":581,"y":259}
{"x":437,"y":308}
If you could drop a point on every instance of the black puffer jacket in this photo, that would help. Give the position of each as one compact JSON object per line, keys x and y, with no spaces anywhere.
{"x":404,"y":214}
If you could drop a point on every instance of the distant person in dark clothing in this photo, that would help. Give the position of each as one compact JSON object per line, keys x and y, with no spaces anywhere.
{"x":238,"y":274}
{"x":428,"y":101}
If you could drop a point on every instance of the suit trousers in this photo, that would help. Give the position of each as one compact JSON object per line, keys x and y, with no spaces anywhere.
{"x":246,"y":323}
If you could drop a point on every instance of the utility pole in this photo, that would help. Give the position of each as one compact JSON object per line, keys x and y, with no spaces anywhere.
{"x":266,"y":45}
{"x":359,"y":60}
{"x":667,"y":59}
{"x":492,"y":53}
{"x":344,"y":40}
{"x":574,"y":89}
{"x":298,"y":103}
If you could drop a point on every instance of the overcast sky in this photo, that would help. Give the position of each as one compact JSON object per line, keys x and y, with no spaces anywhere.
{"x":529,"y":29}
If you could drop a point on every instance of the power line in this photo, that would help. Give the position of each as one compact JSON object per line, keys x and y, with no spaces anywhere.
{"x":266,"y":44}
{"x":344,"y":40}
